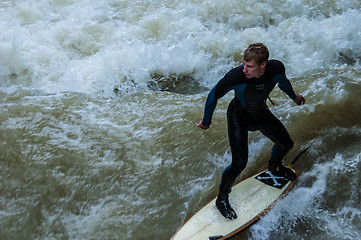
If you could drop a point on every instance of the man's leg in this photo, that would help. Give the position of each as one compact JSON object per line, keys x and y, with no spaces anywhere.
{"x":275,"y":130}
{"x":238,"y":140}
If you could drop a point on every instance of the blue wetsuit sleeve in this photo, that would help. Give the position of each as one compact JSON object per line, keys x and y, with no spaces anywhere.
{"x":209,"y":108}
{"x":216,"y":93}
{"x":285,"y":85}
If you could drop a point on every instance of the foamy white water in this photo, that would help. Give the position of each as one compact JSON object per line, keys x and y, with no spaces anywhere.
{"x":79,"y":161}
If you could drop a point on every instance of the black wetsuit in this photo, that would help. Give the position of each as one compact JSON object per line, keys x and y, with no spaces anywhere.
{"x":248,"y":112}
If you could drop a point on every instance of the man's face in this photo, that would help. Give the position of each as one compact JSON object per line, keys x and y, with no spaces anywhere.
{"x":252,"y":70}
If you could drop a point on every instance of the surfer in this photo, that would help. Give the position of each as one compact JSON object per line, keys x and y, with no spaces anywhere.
{"x":252,"y":83}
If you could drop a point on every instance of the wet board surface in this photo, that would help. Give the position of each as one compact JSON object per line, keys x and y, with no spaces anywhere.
{"x":251,"y":198}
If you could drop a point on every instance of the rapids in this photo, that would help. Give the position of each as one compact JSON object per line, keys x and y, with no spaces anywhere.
{"x":99,"y":101}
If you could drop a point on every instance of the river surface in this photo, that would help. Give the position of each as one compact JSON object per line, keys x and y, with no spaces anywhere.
{"x":99,"y":101}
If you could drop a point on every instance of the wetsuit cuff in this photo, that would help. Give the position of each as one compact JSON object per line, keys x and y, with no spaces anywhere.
{"x":205,"y":123}
{"x":293,"y":96}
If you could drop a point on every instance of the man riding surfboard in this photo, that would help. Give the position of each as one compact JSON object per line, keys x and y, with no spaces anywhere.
{"x":252,"y":83}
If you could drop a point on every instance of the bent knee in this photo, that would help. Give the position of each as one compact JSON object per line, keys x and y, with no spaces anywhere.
{"x":289,"y":145}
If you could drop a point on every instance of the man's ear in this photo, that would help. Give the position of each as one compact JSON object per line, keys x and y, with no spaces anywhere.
{"x":263,"y":65}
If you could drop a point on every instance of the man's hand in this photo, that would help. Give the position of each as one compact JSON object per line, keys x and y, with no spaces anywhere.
{"x":299,"y":100}
{"x":200,"y":125}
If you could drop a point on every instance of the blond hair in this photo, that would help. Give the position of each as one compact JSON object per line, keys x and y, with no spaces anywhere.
{"x":257,"y":52}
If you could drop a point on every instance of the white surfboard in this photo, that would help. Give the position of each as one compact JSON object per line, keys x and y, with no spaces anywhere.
{"x":251,"y":198}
